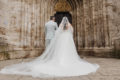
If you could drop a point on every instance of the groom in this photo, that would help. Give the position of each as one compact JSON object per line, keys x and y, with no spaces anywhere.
{"x":50,"y":28}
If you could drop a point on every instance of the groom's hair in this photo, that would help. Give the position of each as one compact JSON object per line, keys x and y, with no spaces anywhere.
{"x":51,"y":17}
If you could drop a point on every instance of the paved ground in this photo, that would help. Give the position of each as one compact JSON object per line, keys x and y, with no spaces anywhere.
{"x":109,"y":70}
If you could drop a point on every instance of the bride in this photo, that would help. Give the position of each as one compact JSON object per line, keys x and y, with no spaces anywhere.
{"x":60,"y":59}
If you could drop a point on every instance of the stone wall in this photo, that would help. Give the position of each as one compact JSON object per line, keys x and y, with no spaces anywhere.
{"x":96,"y":26}
{"x":23,"y":21}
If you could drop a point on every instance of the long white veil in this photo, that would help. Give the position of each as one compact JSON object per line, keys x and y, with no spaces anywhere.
{"x":59,"y":59}
{"x":45,"y":57}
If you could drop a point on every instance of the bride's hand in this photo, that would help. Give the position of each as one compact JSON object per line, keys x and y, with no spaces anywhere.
{"x":69,"y":25}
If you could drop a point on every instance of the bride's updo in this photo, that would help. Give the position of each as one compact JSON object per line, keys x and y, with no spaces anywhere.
{"x":65,"y":26}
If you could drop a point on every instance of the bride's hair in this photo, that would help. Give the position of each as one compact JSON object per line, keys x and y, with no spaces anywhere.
{"x":65,"y":26}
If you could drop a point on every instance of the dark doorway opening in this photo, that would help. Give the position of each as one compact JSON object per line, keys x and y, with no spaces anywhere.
{"x":60,"y":15}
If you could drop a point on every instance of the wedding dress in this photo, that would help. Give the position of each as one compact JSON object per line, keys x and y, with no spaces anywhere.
{"x":60,"y":59}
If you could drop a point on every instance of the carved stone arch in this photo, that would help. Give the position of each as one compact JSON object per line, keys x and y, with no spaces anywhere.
{"x":62,"y":5}
{"x":73,"y":3}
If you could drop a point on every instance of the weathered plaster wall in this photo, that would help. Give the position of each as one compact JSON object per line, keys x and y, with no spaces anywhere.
{"x":96,"y":26}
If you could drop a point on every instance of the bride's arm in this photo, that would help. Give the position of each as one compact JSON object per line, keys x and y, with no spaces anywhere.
{"x":70,"y":26}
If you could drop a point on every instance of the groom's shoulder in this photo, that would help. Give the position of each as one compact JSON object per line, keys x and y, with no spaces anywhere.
{"x":50,"y":23}
{"x":55,"y":22}
{"x":47,"y":23}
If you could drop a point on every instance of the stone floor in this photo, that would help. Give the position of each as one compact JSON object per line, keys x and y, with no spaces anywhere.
{"x":109,"y":70}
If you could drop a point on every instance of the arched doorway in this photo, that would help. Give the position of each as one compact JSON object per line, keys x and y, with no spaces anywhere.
{"x":60,"y":15}
{"x":62,"y":8}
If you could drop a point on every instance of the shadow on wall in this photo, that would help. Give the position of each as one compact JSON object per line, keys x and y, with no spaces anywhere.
{"x":3,"y":49}
{"x":116,"y":50}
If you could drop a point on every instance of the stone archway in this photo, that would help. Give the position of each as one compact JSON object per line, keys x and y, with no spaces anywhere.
{"x":62,"y":8}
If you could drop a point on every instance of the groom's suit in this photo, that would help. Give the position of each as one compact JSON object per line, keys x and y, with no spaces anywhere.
{"x":50,"y":28}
